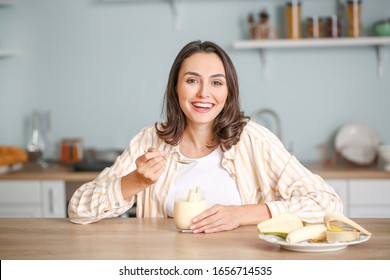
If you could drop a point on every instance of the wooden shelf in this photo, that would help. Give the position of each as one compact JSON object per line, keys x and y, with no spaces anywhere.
{"x":262,"y":45}
{"x":311,"y":43}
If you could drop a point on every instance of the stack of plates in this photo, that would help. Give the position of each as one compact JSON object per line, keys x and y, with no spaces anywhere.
{"x":357,"y":142}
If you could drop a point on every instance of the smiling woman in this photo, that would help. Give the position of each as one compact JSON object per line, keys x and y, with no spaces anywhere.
{"x":245,"y":171}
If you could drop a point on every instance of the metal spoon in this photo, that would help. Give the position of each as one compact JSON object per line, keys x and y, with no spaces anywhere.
{"x":181,"y":161}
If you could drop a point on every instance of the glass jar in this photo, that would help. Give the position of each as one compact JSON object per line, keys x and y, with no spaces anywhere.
{"x":314,"y":27}
{"x":293,"y":19}
{"x":354,"y":18}
{"x":332,"y":27}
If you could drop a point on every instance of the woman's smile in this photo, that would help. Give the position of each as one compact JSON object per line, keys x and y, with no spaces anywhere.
{"x":202,"y":107}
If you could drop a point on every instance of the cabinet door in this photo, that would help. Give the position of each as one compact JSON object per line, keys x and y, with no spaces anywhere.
{"x":53,"y":199}
{"x":370,"y":198}
{"x":341,"y":188}
{"x":20,"y":199}
{"x":20,"y":192}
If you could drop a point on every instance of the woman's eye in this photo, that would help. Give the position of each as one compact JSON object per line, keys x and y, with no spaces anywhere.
{"x":217,"y":83}
{"x":191,"y":81}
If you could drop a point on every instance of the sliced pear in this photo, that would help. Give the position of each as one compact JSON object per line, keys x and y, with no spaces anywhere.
{"x":280,"y":225}
{"x":310,"y":232}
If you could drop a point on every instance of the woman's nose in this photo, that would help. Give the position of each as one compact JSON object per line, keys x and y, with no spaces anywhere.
{"x":203,"y":91}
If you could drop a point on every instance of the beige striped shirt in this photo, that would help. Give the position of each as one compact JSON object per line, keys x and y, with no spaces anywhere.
{"x":264,"y":170}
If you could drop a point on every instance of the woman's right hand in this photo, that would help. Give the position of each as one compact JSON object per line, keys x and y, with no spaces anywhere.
{"x":150,"y":166}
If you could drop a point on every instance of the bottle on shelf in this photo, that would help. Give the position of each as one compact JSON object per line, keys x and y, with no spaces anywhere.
{"x":332,"y":27}
{"x":314,"y":27}
{"x":354,"y":18}
{"x":252,"y":26}
{"x":293,"y":19}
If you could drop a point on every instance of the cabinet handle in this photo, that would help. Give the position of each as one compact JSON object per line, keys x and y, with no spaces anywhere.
{"x":51,"y":201}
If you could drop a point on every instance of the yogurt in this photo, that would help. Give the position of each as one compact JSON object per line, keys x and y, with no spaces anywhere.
{"x":187,"y":205}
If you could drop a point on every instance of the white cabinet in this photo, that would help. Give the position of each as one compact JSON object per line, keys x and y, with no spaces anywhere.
{"x":341,"y":188}
{"x":370,"y":198}
{"x":32,"y":198}
{"x":364,"y":198}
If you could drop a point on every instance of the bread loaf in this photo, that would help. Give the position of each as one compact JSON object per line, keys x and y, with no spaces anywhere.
{"x":11,"y":154}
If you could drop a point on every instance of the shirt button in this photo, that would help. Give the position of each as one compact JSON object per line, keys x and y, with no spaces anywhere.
{"x":224,"y":163}
{"x":117,"y":204}
{"x":234,"y":175}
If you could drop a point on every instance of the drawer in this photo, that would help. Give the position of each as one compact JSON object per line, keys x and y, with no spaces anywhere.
{"x":369,"y":192}
{"x":20,"y":212}
{"x":370,"y":212}
{"x":20,"y":192}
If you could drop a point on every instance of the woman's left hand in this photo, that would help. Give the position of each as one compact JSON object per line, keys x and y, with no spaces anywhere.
{"x":220,"y":218}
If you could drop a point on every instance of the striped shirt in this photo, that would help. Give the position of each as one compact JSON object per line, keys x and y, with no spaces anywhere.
{"x":264,"y":170}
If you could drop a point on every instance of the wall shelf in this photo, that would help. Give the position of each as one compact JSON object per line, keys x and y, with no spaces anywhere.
{"x":263,"y":45}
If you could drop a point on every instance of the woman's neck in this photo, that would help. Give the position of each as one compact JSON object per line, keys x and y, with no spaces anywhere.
{"x":197,"y":141}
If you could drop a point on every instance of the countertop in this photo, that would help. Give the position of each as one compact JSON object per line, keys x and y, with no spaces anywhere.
{"x":66,"y":173}
{"x":150,"y":239}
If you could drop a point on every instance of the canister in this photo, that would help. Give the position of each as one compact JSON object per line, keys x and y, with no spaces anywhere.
{"x":293,"y":19}
{"x":314,"y":27}
{"x":354,"y":18}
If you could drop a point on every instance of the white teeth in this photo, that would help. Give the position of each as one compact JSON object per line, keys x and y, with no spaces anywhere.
{"x":203,"y":105}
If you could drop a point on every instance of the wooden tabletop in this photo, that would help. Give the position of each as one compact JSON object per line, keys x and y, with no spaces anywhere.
{"x":142,"y":239}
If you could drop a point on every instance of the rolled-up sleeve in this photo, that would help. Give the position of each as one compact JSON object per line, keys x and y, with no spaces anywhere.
{"x":302,"y":192}
{"x":102,"y":197}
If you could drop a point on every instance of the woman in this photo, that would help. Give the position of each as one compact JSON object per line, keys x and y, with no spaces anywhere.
{"x":246,"y":173}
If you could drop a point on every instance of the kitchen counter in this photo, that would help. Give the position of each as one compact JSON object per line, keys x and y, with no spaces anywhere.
{"x":148,"y":239}
{"x":53,"y":171}
{"x":66,"y":173}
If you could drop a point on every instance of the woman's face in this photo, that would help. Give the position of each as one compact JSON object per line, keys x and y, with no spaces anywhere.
{"x":202,"y":88}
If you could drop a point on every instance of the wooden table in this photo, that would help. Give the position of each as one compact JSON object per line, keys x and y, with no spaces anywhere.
{"x":143,"y":239}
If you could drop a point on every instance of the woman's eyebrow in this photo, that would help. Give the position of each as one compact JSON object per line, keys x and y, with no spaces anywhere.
{"x":198,"y":75}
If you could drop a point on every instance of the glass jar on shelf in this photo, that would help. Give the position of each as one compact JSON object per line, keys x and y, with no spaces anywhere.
{"x":293,"y":19}
{"x":354,"y":18}
{"x":314,"y":27}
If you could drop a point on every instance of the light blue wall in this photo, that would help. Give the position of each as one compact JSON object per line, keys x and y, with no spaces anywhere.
{"x":101,"y":67}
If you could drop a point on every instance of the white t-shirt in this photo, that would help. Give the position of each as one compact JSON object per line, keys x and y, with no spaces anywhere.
{"x":207,"y":173}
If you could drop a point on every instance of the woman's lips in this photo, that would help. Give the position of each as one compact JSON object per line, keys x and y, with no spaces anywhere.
{"x":202,"y":106}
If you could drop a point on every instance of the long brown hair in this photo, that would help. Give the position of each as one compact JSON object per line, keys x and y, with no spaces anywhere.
{"x":230,"y":122}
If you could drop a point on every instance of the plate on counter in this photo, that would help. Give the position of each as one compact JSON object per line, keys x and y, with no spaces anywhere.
{"x":306,"y":246}
{"x":357,"y":142}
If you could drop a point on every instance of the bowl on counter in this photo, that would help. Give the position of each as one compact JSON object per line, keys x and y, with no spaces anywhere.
{"x":384,"y":154}
{"x":382,"y":27}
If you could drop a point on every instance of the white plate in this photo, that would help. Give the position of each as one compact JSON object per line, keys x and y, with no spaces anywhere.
{"x":357,"y":142}
{"x":305,"y":246}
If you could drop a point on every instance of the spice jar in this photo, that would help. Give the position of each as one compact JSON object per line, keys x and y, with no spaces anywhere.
{"x":332,"y":27}
{"x":71,"y":150}
{"x":314,"y":27}
{"x":354,"y":18}
{"x":252,"y":26}
{"x":293,"y":19}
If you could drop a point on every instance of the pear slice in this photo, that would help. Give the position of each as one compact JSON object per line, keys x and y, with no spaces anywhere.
{"x":280,"y":225}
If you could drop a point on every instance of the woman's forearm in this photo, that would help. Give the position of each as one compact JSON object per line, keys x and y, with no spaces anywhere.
{"x":131,"y":184}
